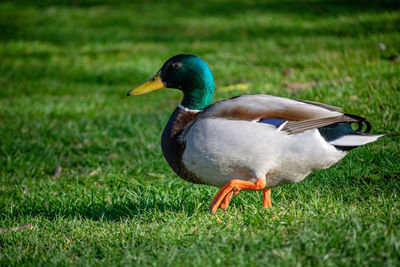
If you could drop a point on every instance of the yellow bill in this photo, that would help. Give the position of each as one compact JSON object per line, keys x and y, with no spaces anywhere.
{"x":153,"y":84}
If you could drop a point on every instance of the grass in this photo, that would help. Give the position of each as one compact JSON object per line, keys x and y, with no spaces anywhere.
{"x":65,"y":68}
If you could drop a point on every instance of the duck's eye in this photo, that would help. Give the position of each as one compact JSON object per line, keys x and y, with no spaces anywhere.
{"x":177,"y":65}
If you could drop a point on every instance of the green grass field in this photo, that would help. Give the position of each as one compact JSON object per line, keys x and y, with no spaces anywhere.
{"x":65,"y":69}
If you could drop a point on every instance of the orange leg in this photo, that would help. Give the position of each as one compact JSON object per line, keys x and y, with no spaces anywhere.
{"x":267,"y":198}
{"x":227,"y":199}
{"x":231,"y":188}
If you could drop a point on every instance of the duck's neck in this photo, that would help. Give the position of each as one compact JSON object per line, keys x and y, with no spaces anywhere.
{"x":200,"y":95}
{"x":197,"y":100}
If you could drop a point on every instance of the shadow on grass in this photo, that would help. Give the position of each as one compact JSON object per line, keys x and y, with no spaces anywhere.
{"x":142,"y":209}
{"x":108,"y":203}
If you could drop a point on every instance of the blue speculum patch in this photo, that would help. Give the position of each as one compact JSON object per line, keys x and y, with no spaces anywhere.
{"x":275,"y":122}
{"x":329,"y":133}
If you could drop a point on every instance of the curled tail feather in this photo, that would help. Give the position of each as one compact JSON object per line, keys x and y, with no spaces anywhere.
{"x":343,"y":137}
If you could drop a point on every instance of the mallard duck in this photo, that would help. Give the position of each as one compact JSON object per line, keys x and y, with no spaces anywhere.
{"x":249,"y":142}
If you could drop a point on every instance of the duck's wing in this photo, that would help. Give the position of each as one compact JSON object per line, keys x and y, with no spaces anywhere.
{"x":253,"y":107}
{"x":325,"y":106}
{"x":291,"y":116}
{"x":297,"y":116}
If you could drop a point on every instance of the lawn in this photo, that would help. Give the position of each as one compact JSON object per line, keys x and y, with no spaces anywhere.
{"x":65,"y":68}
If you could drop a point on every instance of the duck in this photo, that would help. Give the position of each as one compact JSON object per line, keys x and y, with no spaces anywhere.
{"x":248,"y":142}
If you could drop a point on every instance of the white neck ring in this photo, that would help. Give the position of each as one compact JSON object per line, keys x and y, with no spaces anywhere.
{"x":188,"y":109}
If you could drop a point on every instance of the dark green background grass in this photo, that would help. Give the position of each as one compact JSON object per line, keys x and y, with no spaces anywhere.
{"x":65,"y":67}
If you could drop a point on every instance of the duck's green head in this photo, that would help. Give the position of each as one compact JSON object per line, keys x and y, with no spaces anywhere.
{"x":187,"y":73}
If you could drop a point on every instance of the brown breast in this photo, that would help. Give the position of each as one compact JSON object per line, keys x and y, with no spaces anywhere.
{"x":172,"y":148}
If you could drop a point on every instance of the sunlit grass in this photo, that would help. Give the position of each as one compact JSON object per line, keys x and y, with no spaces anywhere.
{"x":65,"y":70}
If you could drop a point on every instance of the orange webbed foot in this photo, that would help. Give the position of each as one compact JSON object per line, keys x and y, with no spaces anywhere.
{"x":227,"y":199}
{"x":225,"y":194}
